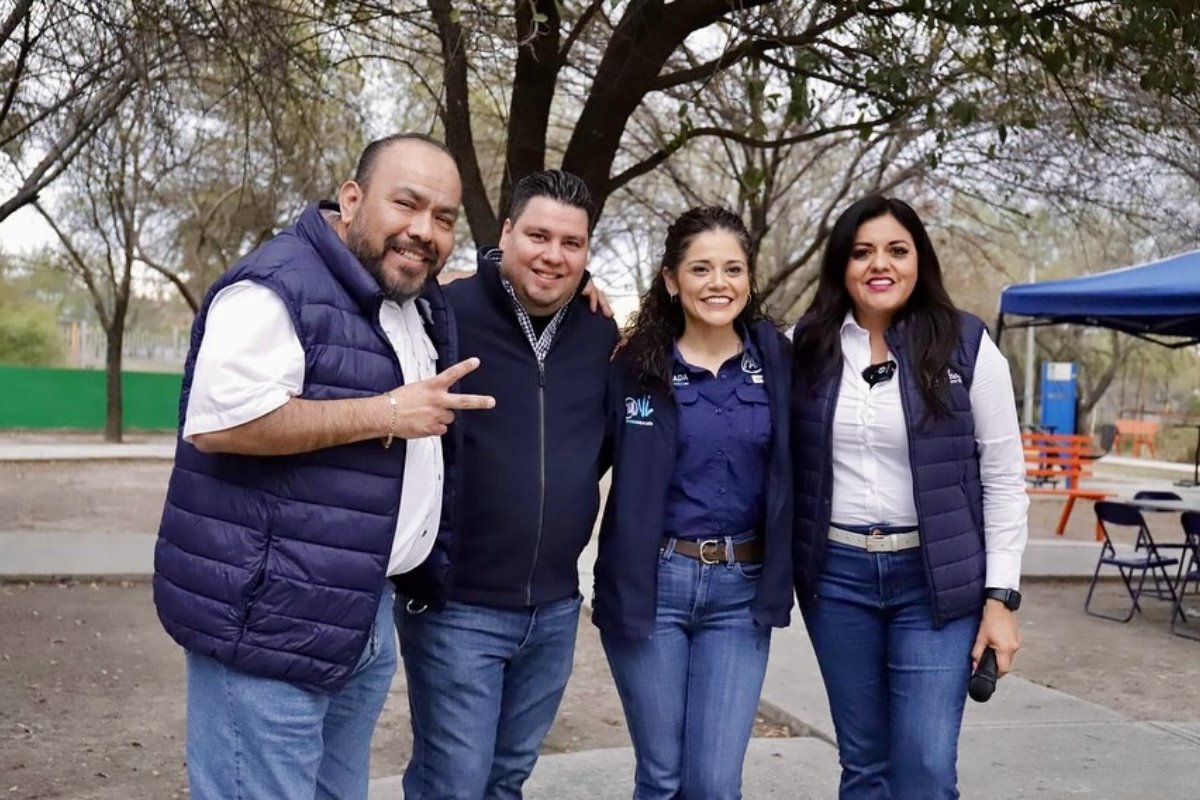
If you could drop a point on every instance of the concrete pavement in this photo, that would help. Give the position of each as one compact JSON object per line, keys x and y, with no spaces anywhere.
{"x":150,"y":447}
{"x":43,"y":554}
{"x":1028,"y":740}
{"x":797,"y":769}
{"x":46,"y":554}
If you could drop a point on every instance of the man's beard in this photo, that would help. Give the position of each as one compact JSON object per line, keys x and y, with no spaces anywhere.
{"x":399,"y":287}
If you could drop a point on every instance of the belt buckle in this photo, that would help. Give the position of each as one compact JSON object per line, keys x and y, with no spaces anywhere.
{"x":714,"y":543}
{"x":878,"y":542}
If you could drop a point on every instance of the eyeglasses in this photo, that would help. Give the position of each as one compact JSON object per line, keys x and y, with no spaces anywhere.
{"x":879,"y":373}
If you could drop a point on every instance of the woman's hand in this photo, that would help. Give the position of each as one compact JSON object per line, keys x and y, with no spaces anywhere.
{"x":997,"y":630}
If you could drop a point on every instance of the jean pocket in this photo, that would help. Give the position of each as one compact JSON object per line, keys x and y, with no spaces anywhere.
{"x":749,"y":571}
{"x":370,"y":649}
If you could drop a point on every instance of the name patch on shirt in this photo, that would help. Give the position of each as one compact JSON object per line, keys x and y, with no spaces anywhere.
{"x":638,"y":410}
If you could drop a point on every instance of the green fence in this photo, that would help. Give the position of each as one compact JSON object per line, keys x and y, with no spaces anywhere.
{"x":35,"y":397}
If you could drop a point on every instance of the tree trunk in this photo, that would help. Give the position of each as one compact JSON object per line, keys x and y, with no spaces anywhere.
{"x":1102,"y":384}
{"x":533,"y":94}
{"x":456,"y":116}
{"x":114,"y":423}
{"x":643,"y":41}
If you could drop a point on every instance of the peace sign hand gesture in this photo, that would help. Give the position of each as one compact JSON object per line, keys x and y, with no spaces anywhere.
{"x":426,"y":408}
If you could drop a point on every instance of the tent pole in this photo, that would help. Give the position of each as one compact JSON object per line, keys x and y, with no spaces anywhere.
{"x":1027,"y":411}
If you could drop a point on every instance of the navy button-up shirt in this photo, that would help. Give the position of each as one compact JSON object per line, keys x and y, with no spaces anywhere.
{"x":719,"y":483}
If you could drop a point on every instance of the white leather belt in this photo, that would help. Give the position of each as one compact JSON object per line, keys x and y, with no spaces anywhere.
{"x":876,"y":541}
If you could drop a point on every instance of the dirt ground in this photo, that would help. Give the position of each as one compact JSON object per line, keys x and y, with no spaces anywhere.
{"x":92,"y":705}
{"x":82,"y":496}
{"x":91,"y":700}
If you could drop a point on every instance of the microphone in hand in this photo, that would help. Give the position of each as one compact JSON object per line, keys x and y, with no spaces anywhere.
{"x":983,"y":681}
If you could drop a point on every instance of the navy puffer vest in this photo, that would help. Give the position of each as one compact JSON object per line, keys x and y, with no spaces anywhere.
{"x":275,"y":565}
{"x":945,"y":471}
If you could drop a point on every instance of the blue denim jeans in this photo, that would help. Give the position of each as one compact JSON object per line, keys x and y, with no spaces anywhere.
{"x":896,"y":685}
{"x":484,"y":685}
{"x":250,"y":737}
{"x":691,"y":690}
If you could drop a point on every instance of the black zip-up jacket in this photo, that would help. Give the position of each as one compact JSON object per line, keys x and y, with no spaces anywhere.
{"x":530,"y":467}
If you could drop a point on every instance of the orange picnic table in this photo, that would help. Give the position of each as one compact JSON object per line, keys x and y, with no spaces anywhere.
{"x":1052,"y":459}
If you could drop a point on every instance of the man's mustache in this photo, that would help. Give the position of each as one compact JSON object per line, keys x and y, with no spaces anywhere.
{"x":427,"y":251}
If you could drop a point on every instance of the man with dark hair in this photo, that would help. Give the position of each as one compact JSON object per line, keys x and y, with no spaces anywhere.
{"x":486,"y":673}
{"x":564,"y":187}
{"x":289,"y":507}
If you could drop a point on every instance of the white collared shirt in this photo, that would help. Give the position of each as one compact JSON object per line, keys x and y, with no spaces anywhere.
{"x":872,"y":475}
{"x":251,"y":362}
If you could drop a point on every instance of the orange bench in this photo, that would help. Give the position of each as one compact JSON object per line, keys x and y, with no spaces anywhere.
{"x":1051,"y":458}
{"x":1139,"y":433}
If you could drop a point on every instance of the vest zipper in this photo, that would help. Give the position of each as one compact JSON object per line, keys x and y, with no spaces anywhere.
{"x":537,"y":542}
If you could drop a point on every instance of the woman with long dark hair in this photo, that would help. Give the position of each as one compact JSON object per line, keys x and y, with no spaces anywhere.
{"x":695,"y":562}
{"x":910,"y":501}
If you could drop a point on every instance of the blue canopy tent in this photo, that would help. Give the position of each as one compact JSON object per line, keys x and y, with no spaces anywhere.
{"x":1159,"y":301}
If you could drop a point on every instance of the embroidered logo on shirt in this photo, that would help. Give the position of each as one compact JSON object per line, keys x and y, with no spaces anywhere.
{"x":680,"y":379}
{"x":750,"y":364}
{"x":638,"y":410}
{"x":953,"y":377}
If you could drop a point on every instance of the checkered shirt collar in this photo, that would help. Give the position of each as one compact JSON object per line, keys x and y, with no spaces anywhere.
{"x":541,"y":345}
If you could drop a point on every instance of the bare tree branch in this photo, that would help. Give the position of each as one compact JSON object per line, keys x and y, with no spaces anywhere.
{"x":80,"y":266}
{"x":649,"y":164}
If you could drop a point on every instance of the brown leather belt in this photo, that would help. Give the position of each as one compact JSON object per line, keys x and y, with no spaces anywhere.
{"x":712,"y":551}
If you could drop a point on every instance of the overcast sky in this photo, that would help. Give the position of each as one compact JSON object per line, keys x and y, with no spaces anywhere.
{"x":25,"y":230}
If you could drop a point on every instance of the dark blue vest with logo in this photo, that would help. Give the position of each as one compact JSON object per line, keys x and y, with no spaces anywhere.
{"x":275,"y":565}
{"x":945,"y":472}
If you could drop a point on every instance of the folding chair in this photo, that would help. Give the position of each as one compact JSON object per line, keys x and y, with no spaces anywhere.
{"x":1139,"y":562}
{"x":1190,"y":520}
{"x":1155,"y":494}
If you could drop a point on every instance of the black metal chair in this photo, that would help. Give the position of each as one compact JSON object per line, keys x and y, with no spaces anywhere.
{"x":1156,"y":494}
{"x":1137,"y":563}
{"x":1190,"y":520}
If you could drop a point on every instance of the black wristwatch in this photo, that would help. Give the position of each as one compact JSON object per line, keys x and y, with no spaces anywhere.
{"x":1010,"y":597}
